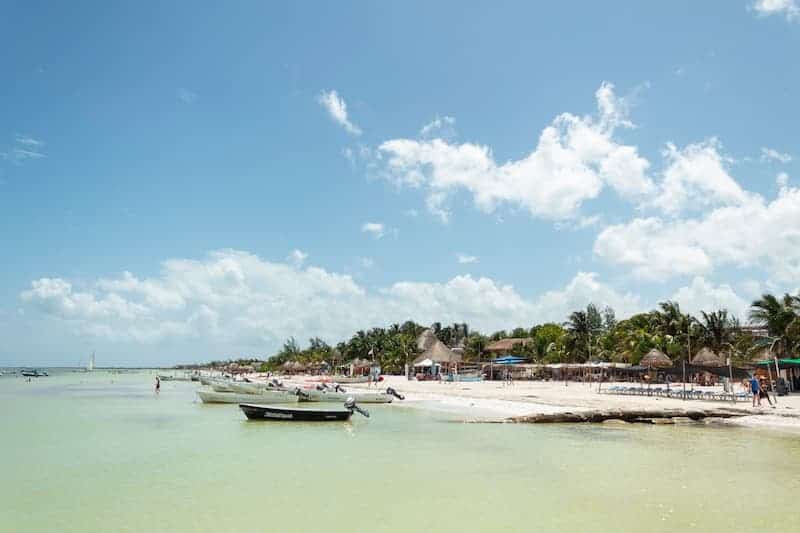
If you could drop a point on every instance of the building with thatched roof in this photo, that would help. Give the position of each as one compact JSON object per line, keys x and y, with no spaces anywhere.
{"x":426,"y":339}
{"x":707,"y":357}
{"x":655,"y":358}
{"x":506,"y":345}
{"x":436,"y":351}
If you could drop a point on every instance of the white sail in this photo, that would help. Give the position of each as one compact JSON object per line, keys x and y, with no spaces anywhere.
{"x":90,"y":366}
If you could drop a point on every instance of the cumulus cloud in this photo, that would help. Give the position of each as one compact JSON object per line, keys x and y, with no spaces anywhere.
{"x":337,"y":109}
{"x":236,"y":298}
{"x":701,"y":295}
{"x":376,"y":229}
{"x":788,"y":8}
{"x":464,"y":259}
{"x":770,"y":154}
{"x":575,"y":157}
{"x":754,"y":233}
{"x":696,"y":177}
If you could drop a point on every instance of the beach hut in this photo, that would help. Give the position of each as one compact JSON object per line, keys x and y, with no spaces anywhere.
{"x":426,"y":339}
{"x":707,"y":357}
{"x":436,"y":356}
{"x":504,"y":346}
{"x":655,"y":358}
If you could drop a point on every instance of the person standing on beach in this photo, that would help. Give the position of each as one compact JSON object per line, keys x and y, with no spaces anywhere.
{"x":158,"y":384}
{"x":755,"y":389}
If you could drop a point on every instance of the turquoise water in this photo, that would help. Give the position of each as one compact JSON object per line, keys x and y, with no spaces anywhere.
{"x":100,"y":452}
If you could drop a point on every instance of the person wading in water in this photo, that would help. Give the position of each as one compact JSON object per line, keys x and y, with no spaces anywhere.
{"x":158,"y":384}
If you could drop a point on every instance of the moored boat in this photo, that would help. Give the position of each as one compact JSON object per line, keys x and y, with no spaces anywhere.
{"x":301,"y":414}
{"x":210,"y":396}
{"x":338,"y":394}
{"x":28,"y":373}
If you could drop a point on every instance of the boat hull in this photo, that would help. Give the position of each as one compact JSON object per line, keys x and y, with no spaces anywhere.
{"x":207,"y":396}
{"x":277,"y":413}
{"x":341,"y":397}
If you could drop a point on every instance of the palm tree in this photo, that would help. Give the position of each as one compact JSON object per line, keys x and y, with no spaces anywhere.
{"x":717,"y":329}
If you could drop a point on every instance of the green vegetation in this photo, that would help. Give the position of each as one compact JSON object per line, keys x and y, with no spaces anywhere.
{"x":589,"y":334}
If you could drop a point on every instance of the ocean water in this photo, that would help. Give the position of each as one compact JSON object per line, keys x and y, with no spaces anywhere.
{"x":101,"y":452}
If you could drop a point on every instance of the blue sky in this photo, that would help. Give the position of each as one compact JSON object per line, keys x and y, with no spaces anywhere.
{"x":186,"y":181}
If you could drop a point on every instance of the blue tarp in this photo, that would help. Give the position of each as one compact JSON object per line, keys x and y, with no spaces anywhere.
{"x":508,"y":360}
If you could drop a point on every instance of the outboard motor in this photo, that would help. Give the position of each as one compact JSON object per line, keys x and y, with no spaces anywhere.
{"x":350,"y":404}
{"x":394,"y":393}
{"x":300,"y":393}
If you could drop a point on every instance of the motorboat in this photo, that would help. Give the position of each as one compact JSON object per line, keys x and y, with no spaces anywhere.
{"x":339,"y":394}
{"x":301,"y":414}
{"x":211,"y":396}
{"x":28,"y":373}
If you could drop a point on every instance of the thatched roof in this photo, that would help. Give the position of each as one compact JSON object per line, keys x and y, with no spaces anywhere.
{"x":655,"y":358}
{"x":426,"y":339}
{"x":707,"y":357}
{"x":506,"y":345}
{"x":439,"y":353}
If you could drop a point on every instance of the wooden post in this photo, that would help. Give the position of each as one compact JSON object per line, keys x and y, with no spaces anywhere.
{"x":684,"y":379}
{"x":777,"y":377}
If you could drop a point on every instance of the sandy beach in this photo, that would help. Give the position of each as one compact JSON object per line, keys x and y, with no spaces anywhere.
{"x":493,"y":399}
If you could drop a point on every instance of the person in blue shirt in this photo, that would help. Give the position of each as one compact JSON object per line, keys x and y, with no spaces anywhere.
{"x":755,"y":388}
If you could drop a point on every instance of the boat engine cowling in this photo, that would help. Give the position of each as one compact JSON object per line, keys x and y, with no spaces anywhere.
{"x":394,"y":393}
{"x":351,"y":405}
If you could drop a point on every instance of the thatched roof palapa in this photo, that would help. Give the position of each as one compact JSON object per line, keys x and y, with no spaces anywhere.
{"x":438,"y":352}
{"x":426,"y":339}
{"x":655,"y":358}
{"x":707,"y":357}
{"x":506,"y":345}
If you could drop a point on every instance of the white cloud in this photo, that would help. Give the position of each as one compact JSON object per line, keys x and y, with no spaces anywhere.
{"x":337,"y":109}
{"x":439,"y":126}
{"x":376,"y":229}
{"x":27,"y":140}
{"x":234,"y":298}
{"x":574,"y":158}
{"x":297,"y":257}
{"x":701,"y":295}
{"x":186,"y":96}
{"x":787,"y":8}
{"x":753,"y":234}
{"x":696,"y":177}
{"x":770,"y":154}
{"x":464,"y":259}
{"x":24,"y":148}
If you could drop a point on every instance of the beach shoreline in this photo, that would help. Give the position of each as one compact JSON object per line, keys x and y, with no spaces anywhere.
{"x":496,"y":401}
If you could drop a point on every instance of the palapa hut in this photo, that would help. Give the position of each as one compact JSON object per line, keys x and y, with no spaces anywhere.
{"x":707,"y":357}
{"x":435,"y":357}
{"x":655,"y":358}
{"x":504,"y":346}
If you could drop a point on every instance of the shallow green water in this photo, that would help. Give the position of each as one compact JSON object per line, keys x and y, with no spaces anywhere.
{"x":80,"y":453}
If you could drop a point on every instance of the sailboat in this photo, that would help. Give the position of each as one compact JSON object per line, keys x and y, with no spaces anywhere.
{"x":90,"y":366}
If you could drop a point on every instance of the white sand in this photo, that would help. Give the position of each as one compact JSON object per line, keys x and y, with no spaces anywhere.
{"x":493,"y":399}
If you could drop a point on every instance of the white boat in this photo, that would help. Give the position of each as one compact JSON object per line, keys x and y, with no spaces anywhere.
{"x":222,"y":386}
{"x":244,"y":387}
{"x":316,"y":395}
{"x":210,"y":396}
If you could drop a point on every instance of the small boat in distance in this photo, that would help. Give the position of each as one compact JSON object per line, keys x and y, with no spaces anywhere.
{"x":90,"y":366}
{"x":338,"y":394}
{"x":301,"y":414}
{"x":35,"y":373}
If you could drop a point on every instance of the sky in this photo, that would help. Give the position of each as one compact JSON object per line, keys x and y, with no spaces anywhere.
{"x":187,"y":181}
